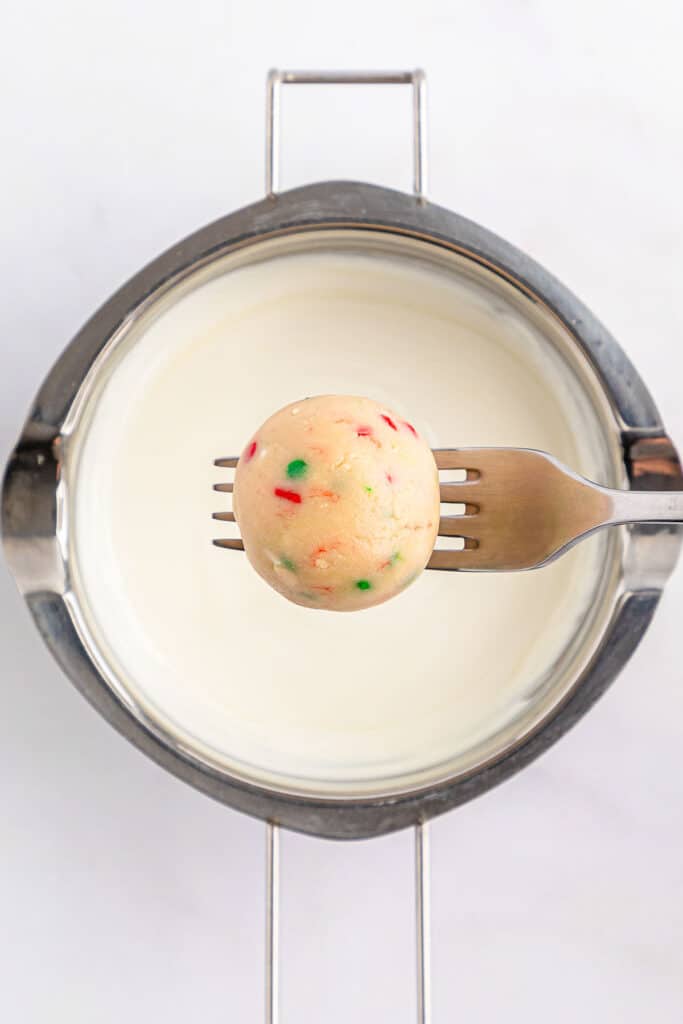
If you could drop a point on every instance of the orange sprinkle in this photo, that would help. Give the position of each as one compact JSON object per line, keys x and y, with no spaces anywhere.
{"x":324,"y":549}
{"x":318,"y":492}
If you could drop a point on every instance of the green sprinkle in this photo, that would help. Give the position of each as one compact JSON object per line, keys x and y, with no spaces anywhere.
{"x":296,"y":469}
{"x":364,"y":584}
{"x":396,"y":557}
{"x":308,"y":596}
{"x":287,"y":563}
{"x":368,"y":489}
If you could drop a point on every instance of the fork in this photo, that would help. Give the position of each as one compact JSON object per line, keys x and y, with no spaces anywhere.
{"x":518,"y":509}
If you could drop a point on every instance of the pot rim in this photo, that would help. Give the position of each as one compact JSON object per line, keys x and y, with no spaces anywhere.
{"x":29,"y":497}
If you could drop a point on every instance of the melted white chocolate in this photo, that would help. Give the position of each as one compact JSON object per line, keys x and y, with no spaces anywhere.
{"x":344,"y":703}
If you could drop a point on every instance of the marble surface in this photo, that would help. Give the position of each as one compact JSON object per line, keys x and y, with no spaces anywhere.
{"x":124,"y":894}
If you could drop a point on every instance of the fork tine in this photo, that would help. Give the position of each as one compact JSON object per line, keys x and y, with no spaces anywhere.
{"x":223,"y":488}
{"x":228,"y":542}
{"x":449,"y":458}
{"x":224,"y":517}
{"x":464,"y":493}
{"x":446,"y":458}
{"x":453,"y":526}
{"x":450,"y":561}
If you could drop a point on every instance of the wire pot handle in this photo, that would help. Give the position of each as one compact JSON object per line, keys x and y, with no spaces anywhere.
{"x":422,"y":924}
{"x":416,"y":79}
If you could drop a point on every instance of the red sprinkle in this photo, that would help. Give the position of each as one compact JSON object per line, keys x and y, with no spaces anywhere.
{"x":294,"y":496}
{"x":388,"y":419}
{"x":390,"y":478}
{"x":364,"y":431}
{"x":250,"y":451}
{"x":411,"y":428}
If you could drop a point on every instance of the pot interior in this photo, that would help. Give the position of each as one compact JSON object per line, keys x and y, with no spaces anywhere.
{"x":426,"y":687}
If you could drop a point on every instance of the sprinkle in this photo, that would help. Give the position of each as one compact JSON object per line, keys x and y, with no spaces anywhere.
{"x":322,"y":589}
{"x":391,"y":561}
{"x":389,"y":477}
{"x":411,"y":428}
{"x":368,"y":489}
{"x":250,"y":451}
{"x":296,"y":469}
{"x":293,"y":496}
{"x":319,"y":492}
{"x":317,"y":560}
{"x":287,"y":563}
{"x":388,"y":419}
{"x":364,"y":584}
{"x":364,"y":431}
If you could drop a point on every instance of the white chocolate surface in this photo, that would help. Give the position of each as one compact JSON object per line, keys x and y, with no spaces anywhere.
{"x":339,"y":702}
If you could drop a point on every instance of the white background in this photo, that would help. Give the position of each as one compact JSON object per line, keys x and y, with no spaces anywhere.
{"x":124,"y":895}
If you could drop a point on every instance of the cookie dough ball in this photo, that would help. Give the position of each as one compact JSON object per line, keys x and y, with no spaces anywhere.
{"x":337,"y":500}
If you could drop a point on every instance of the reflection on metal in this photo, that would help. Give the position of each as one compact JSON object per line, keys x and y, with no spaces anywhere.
{"x":422,"y":916}
{"x":272,"y":922}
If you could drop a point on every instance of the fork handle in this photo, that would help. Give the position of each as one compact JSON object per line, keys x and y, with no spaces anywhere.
{"x":644,"y":507}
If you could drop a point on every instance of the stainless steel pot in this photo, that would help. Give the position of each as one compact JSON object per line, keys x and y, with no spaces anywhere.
{"x":33,"y":534}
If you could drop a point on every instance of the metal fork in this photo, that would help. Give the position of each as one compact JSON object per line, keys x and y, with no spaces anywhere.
{"x":518,"y":509}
